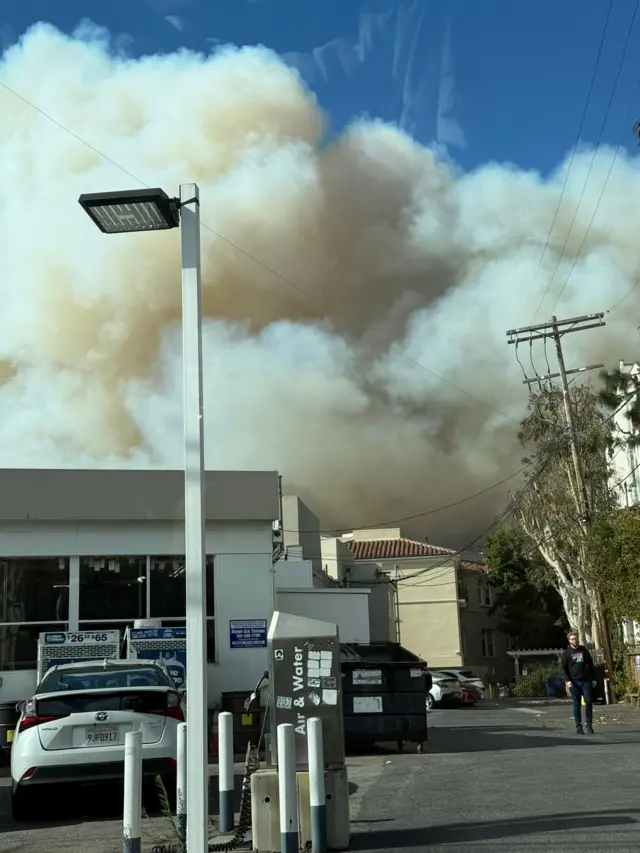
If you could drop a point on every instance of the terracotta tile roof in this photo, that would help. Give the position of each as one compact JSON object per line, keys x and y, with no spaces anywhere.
{"x":389,"y":549}
{"x":471,"y":566}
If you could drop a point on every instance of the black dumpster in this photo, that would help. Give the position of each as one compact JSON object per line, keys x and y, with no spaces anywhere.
{"x":8,"y":719}
{"x":384,"y":695}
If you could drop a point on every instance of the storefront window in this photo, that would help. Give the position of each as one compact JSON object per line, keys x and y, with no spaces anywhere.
{"x":34,"y":589}
{"x":19,"y":644}
{"x":113,"y":588}
{"x":167,"y":588}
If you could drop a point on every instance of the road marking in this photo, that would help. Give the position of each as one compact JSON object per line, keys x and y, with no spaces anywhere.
{"x":530,"y":711}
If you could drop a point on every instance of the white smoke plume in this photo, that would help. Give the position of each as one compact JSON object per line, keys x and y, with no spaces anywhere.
{"x":398,"y":266}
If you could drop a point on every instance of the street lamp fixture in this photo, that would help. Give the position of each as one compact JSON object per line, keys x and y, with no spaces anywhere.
{"x":127,"y":211}
{"x":154,"y":210}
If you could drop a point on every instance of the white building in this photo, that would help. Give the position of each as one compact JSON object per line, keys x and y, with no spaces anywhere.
{"x":626,"y":471}
{"x":100,"y":549}
{"x":626,"y":459}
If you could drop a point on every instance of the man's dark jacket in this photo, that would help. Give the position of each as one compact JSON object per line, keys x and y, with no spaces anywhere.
{"x":577,"y":664}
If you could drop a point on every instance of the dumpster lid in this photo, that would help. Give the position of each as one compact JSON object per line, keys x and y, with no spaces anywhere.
{"x":379,"y":653}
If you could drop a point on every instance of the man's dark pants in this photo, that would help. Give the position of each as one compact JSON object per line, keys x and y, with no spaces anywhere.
{"x":578,"y":690}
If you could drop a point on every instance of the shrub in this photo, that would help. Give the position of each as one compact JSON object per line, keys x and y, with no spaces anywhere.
{"x":534,"y":683}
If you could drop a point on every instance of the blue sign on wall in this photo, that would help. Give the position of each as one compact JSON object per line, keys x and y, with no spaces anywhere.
{"x":248,"y":633}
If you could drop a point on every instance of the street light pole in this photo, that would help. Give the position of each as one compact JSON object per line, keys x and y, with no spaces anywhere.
{"x":194,"y":524}
{"x":151,"y":209}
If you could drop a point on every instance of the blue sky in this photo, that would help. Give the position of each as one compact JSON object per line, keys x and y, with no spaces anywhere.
{"x":493,"y":80}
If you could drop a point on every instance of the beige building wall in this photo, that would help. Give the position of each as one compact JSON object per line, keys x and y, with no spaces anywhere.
{"x":428,"y":611}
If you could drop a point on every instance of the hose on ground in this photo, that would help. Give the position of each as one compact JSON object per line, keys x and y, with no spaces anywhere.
{"x":252,"y":763}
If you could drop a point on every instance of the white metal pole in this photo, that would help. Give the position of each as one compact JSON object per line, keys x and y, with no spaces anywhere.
{"x":194,"y":523}
{"x":317,"y":792}
{"x":225,"y":770}
{"x":132,"y":806}
{"x":287,"y":788}
{"x":181,"y":783}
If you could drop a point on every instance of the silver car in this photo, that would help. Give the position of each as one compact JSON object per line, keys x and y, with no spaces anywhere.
{"x":467,"y":679}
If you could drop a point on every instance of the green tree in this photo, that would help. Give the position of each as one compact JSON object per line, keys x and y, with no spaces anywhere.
{"x":548,"y":507}
{"x":531,"y":608}
{"x":620,"y":386}
{"x":614,"y":546}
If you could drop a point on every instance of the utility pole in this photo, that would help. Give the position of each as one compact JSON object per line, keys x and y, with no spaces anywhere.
{"x":583,"y":496}
{"x":555,"y":330}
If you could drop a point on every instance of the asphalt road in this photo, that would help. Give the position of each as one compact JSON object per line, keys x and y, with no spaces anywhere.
{"x":90,"y":820}
{"x":505,"y":778}
{"x":510,"y":779}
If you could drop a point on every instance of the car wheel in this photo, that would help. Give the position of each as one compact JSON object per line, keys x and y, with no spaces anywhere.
{"x":22,"y":805}
{"x":430,"y":702}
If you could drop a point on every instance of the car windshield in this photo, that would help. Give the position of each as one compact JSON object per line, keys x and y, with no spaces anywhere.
{"x":103,"y":678}
{"x":465,"y":673}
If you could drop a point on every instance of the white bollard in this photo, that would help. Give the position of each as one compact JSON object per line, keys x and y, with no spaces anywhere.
{"x":225,"y":770}
{"x":317,"y":792}
{"x":287,"y":789}
{"x":132,"y":807}
{"x":181,"y":783}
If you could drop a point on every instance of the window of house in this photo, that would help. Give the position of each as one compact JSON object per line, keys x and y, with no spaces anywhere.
{"x":484,"y":591}
{"x":488,"y":644}
{"x":34,"y":597}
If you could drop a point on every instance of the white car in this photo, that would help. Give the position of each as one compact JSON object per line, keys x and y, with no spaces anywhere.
{"x":73,"y":729}
{"x":444,"y":688}
{"x":467,"y":679}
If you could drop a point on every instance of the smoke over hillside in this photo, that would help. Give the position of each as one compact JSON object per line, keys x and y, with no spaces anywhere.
{"x":389,"y":265}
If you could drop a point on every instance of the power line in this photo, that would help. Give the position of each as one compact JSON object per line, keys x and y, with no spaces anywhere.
{"x":559,"y":442}
{"x":415,"y":516}
{"x":266,"y":267}
{"x":335,"y":531}
{"x":504,"y":513}
{"x":577,"y":142}
{"x":586,"y":181}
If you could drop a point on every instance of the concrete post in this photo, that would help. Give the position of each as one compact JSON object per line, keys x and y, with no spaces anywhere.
{"x":225,"y":770}
{"x":181,"y":783}
{"x":132,"y":806}
{"x":317,"y":792}
{"x":288,"y":793}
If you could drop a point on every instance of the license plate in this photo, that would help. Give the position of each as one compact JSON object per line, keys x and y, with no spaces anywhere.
{"x":101,"y":736}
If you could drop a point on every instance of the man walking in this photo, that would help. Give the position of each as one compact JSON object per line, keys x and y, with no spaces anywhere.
{"x":580,"y":673}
